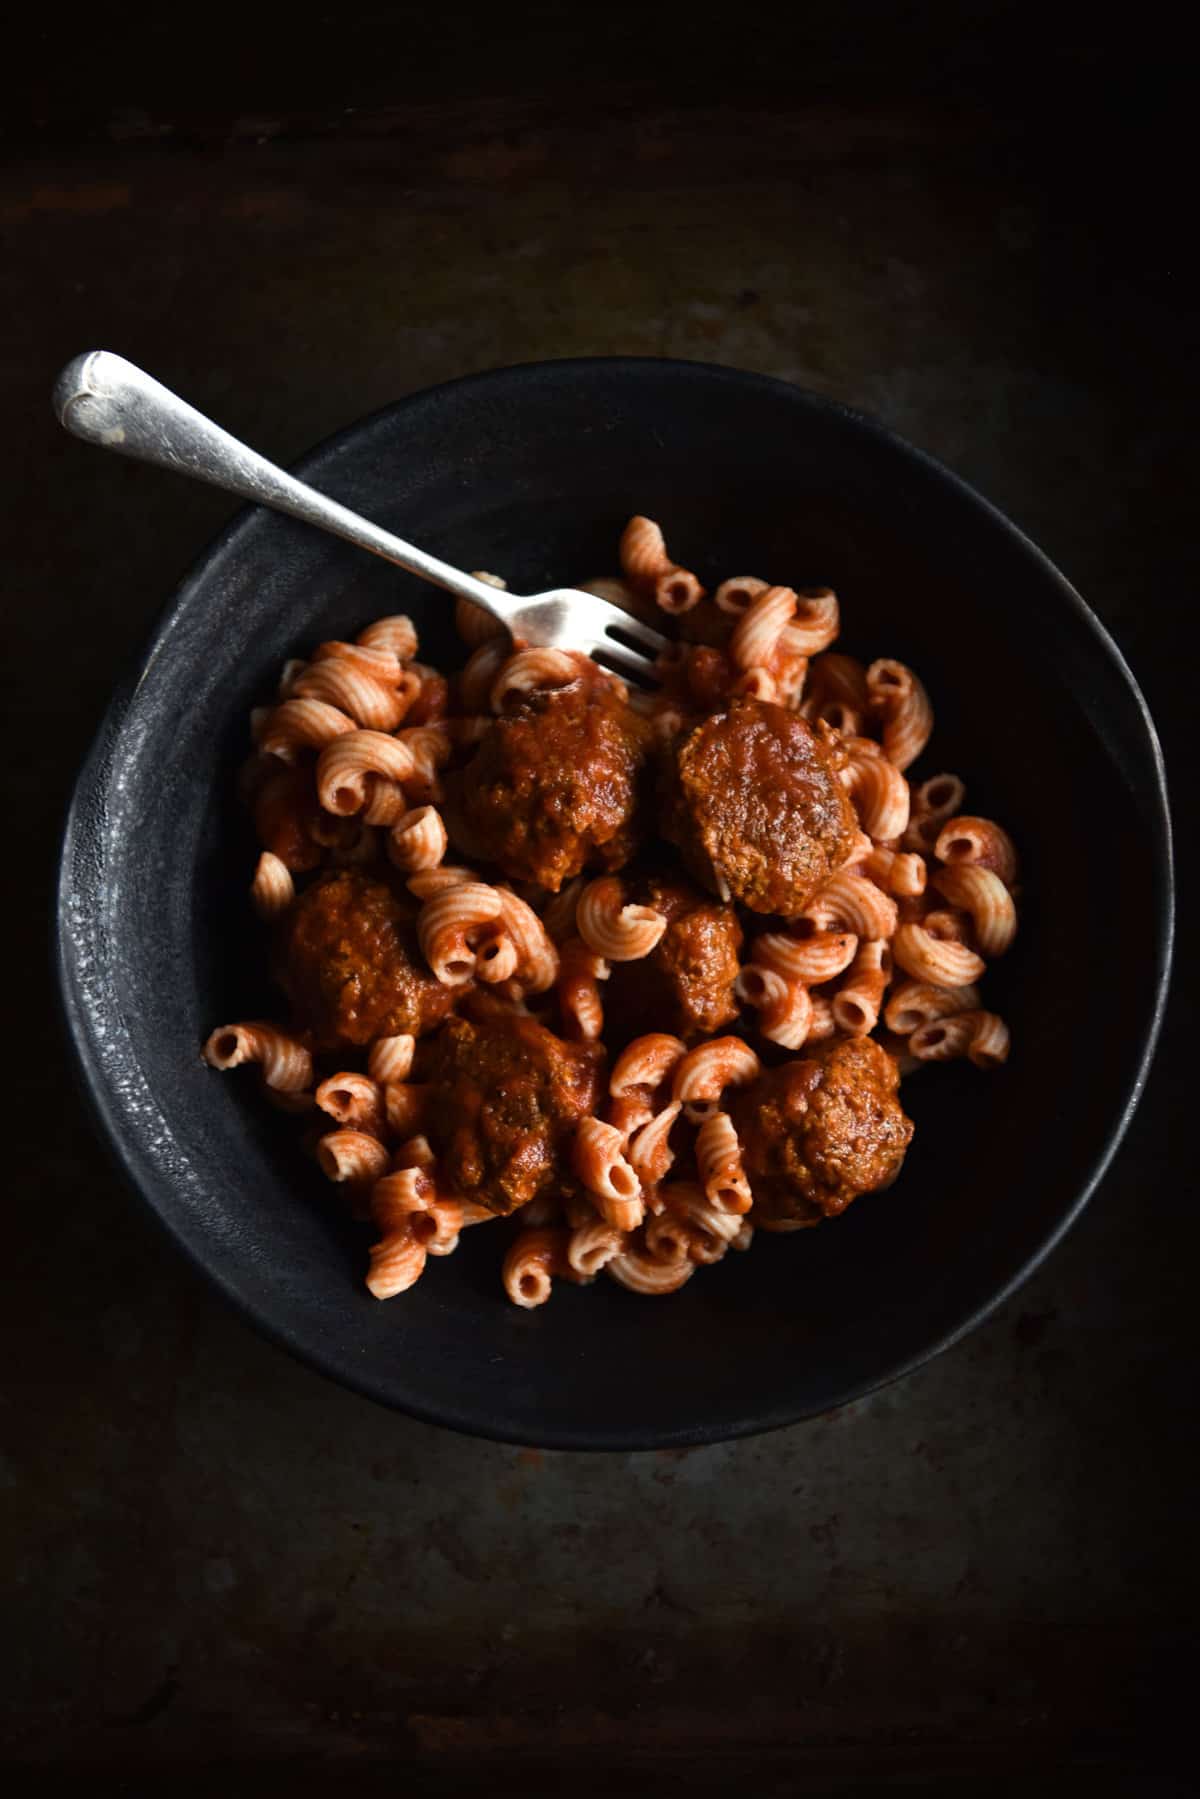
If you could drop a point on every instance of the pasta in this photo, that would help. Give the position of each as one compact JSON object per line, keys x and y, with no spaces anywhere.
{"x":273,"y":888}
{"x":977,"y":842}
{"x":396,"y":633}
{"x":649,"y":570}
{"x":618,"y":932}
{"x":784,"y":1006}
{"x":856,"y":1004}
{"x":580,"y":971}
{"x":362,"y":772}
{"x":301,"y":724}
{"x":354,"y":1100}
{"x":937,"y":961}
{"x":982,"y":893}
{"x":719,"y":1160}
{"x":286,"y":1065}
{"x":816,"y":622}
{"x":915,"y":1003}
{"x":532,"y":1264}
{"x":446,"y":924}
{"x":350,"y":1155}
{"x":346,"y":762}
{"x":851,"y":902}
{"x":810,"y":959}
{"x":898,"y":698}
{"x":417,"y":840}
{"x":598,"y":1159}
{"x":981,"y":1036}
{"x":644,"y":1273}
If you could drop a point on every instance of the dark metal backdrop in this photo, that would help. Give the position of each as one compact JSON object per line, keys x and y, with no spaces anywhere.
{"x":981,"y":1572}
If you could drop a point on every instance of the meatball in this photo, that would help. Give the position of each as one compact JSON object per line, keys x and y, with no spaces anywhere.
{"x":817,"y":1132}
{"x":685,"y":984}
{"x":350,"y":964}
{"x":505,"y":1095}
{"x":556,"y":784}
{"x":756,"y":806}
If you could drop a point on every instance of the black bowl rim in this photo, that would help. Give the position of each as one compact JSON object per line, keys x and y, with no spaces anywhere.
{"x":106,"y":1113}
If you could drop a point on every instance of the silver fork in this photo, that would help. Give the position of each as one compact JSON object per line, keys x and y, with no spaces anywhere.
{"x":107,"y":401}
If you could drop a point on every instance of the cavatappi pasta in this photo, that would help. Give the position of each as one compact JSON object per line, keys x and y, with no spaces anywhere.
{"x":410,"y":930}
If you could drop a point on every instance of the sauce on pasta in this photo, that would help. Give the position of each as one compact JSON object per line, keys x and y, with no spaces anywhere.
{"x":640,"y":975}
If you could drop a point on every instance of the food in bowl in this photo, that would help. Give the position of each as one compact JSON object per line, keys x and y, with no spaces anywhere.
{"x":695,"y":940}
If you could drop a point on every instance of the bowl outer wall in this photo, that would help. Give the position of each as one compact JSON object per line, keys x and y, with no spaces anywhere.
{"x":531,"y":472}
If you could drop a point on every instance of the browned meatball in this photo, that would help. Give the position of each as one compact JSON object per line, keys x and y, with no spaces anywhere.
{"x":685,"y":984}
{"x":351,"y":966}
{"x":556,"y":785}
{"x":756,"y":805}
{"x":817,"y":1132}
{"x":505,"y":1095}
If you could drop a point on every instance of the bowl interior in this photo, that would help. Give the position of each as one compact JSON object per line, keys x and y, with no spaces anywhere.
{"x":532,"y":473}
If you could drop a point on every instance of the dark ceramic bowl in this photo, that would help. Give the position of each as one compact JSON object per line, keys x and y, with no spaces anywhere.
{"x":532,"y":472}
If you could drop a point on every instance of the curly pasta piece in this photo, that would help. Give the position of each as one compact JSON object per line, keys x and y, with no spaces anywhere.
{"x":349,"y":1155}
{"x":897,"y":872}
{"x":475,"y":624}
{"x":938,"y":961}
{"x":982,"y":893}
{"x":286,"y":1065}
{"x":430,"y":881}
{"x":391,"y":1058}
{"x":374,"y":703}
{"x":645,"y":1063}
{"x":759,"y":684}
{"x":396,"y":633}
{"x":598,"y":1158}
{"x":982,"y":1037}
{"x":879,"y":794}
{"x":580,"y":971}
{"x":437,"y":1230}
{"x":821,"y":1025}
{"x":809,"y":959}
{"x":407,"y":1188}
{"x":856,"y":1004}
{"x":641,"y":1272}
{"x":345,"y":764}
{"x":914,"y":1003}
{"x":650,"y":571}
{"x":354,"y":1100}
{"x":301,"y":724}
{"x":272,"y":889}
{"x":531,"y":1265}
{"x":479,"y":673}
{"x":719,"y":1162}
{"x":537,"y":958}
{"x":738,"y":594}
{"x":758,"y":633}
{"x":977,"y":842}
{"x":397,"y":1262}
{"x":816,"y":622}
{"x":707,"y":1231}
{"x":784,"y":1007}
{"x":445,"y":927}
{"x":850,"y":902}
{"x":901,"y":702}
{"x":706,"y":1071}
{"x":592,"y":1246}
{"x":417,"y":840}
{"x":618,"y":932}
{"x":650,"y":1154}
{"x":530,"y":670}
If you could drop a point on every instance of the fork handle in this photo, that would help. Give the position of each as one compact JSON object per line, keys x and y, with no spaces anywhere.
{"x":108,"y":401}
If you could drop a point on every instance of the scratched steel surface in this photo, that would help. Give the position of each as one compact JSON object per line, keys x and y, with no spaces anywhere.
{"x":977,"y":1572}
